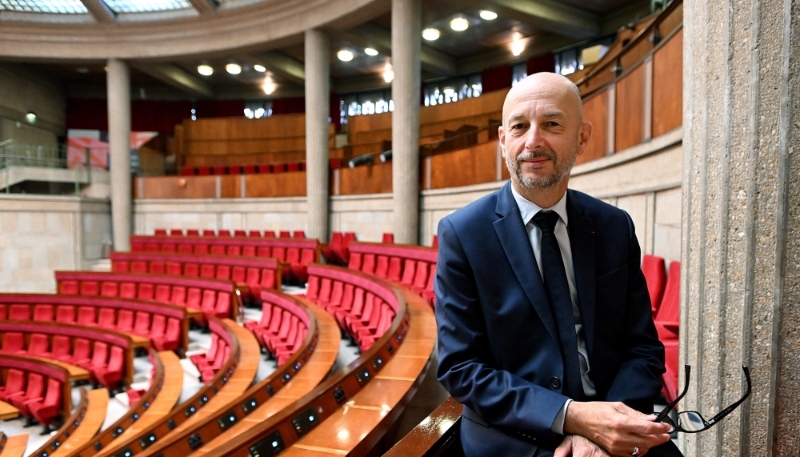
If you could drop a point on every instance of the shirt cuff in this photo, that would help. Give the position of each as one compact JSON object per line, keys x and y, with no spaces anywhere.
{"x":558,"y":423}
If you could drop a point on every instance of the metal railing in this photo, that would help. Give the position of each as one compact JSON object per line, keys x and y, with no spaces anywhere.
{"x":14,"y":154}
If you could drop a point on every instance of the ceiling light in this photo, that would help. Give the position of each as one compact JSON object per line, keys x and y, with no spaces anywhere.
{"x":269,"y":85}
{"x":345,"y":55}
{"x":259,"y":68}
{"x":205,"y":70}
{"x":233,"y":68}
{"x":388,"y":72}
{"x":488,"y":15}
{"x":371,"y":52}
{"x":517,"y":47}
{"x":30,"y":117}
{"x":459,"y":24}
{"x":430,"y":34}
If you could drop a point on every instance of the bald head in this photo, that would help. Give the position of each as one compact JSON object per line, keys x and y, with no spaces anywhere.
{"x":551,"y":84}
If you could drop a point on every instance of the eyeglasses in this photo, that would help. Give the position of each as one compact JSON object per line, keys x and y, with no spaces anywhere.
{"x":692,"y":421}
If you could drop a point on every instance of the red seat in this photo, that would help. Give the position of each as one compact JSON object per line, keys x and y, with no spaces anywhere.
{"x":192,"y":232}
{"x":263,"y":322}
{"x":368,"y":263}
{"x":220,"y":170}
{"x":145,"y":291}
{"x":19,"y":313}
{"x":142,"y":324}
{"x":395,"y":267}
{"x":174,"y":268}
{"x":209,"y":233}
{"x":158,"y":326}
{"x":3,"y":314}
{"x":435,"y":241}
{"x":292,"y":166}
{"x":420,"y":277}
{"x":111,"y":374}
{"x":254,"y":234}
{"x":224,"y":232}
{"x":239,"y":233}
{"x":163,"y":292}
{"x":39,"y":345}
{"x":171,"y":338}
{"x":157,"y":268}
{"x":33,"y":391}
{"x":269,"y":234}
{"x":86,"y":316}
{"x":331,"y":250}
{"x":14,"y":385}
{"x":355,"y":261}
{"x":175,"y":232}
{"x":655,"y":274}
{"x":139,"y":266}
{"x":106,"y":318}
{"x":109,"y":289}
{"x":90,"y":288}
{"x":43,"y":313}
{"x":218,"y":249}
{"x":668,"y":316}
{"x":47,"y":410}
{"x":670,"y":377}
{"x":285,"y":234}
{"x":387,"y":238}
{"x":134,"y":395}
{"x":301,"y":234}
{"x":409,"y":268}
{"x":68,"y":288}
{"x":127,"y":290}
{"x":381,"y":266}
{"x":207,"y":373}
{"x":82,"y":353}
{"x":178,"y":296}
{"x":125,"y":320}
{"x":99,"y":358}
{"x":14,"y":343}
{"x":160,"y":232}
{"x":250,"y":169}
{"x":61,"y":348}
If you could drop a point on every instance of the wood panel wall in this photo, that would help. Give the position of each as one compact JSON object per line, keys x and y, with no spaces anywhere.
{"x":159,"y":187}
{"x":370,"y":179}
{"x":668,"y":85}
{"x":629,"y":115}
{"x":595,"y":110}
{"x":291,"y":184}
{"x":474,"y":165}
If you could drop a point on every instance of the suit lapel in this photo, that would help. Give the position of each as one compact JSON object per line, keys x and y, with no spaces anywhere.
{"x":582,"y":242}
{"x":512,"y":235}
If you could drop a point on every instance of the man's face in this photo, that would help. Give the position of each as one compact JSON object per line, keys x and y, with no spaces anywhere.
{"x":542,"y":133}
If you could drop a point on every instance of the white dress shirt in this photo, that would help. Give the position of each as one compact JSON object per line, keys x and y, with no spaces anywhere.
{"x":527,"y":210}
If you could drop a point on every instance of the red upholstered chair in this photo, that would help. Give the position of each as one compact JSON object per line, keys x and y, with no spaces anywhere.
{"x":192,"y":270}
{"x":261,"y":251}
{"x":279,"y":252}
{"x":355,"y":261}
{"x":163,"y":293}
{"x":192,"y":232}
{"x":330,"y":252}
{"x":86,"y":316}
{"x":429,"y":294}
{"x":43,"y":313}
{"x":19,"y":313}
{"x":285,"y":234}
{"x":127,"y":290}
{"x":219,"y":170}
{"x":139,"y":266}
{"x":39,"y":345}
{"x":90,"y":288}
{"x":160,"y":232}
{"x":14,"y":343}
{"x":266,"y":313}
{"x":420,"y":277}
{"x":68,"y":288}
{"x":157,"y":268}
{"x":109,"y":289}
{"x":106,"y":318}
{"x":125,"y":320}
{"x":409,"y":268}
{"x":99,"y":358}
{"x":435,"y":242}
{"x":145,"y":291}
{"x":269,"y":234}
{"x":142,"y":324}
{"x":158,"y":326}
{"x":292,"y":166}
{"x":223,"y":272}
{"x":61,"y":348}
{"x":3,"y":312}
{"x":368,"y":263}
{"x":217,"y":249}
{"x":254,"y":234}
{"x":34,"y":390}
{"x":204,"y":171}
{"x":209,"y":233}
{"x":14,"y":385}
{"x":171,"y":338}
{"x":655,"y":274}
{"x":387,"y":238}
{"x":300,"y":234}
{"x":178,"y":296}
{"x":239,"y":233}
{"x":193,"y":296}
{"x":224,"y":232}
{"x":47,"y":410}
{"x":207,"y":374}
{"x":210,"y":354}
{"x":111,"y":374}
{"x":175,"y":232}
{"x":222,"y":308}
{"x":381,"y":266}
{"x":395,"y":268}
{"x":250,"y":169}
{"x":174,"y":268}
{"x":81,"y":353}
{"x":668,"y":316}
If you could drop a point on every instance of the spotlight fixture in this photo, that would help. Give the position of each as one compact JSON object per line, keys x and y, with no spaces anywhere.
{"x":345,"y":55}
{"x":431,"y":34}
{"x":488,"y":15}
{"x":205,"y":70}
{"x":517,"y":46}
{"x":30,"y":117}
{"x":366,"y":159}
{"x":233,"y":68}
{"x":371,"y":52}
{"x":259,"y":68}
{"x":269,"y":85}
{"x":459,"y":24}
{"x":388,"y":72}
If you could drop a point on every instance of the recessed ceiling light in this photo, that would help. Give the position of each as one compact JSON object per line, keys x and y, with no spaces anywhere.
{"x":205,"y":70}
{"x":269,"y":85}
{"x":388,"y":72}
{"x":488,"y":15}
{"x":431,"y":34}
{"x":345,"y":55}
{"x":259,"y":68}
{"x":371,"y":52}
{"x":459,"y":24}
{"x":517,"y":47}
{"x":30,"y":117}
{"x":233,"y":68}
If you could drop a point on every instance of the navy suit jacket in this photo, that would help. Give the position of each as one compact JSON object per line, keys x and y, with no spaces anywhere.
{"x":498,"y":343}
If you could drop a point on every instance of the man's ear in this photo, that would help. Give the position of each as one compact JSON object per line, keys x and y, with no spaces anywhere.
{"x":584,"y":136}
{"x":501,"y":138}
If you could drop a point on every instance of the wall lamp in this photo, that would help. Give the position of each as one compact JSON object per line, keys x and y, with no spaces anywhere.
{"x":30,"y":117}
{"x":386,"y":156}
{"x":366,"y":159}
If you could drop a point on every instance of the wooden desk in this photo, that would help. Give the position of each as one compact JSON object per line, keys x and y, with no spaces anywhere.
{"x":7,"y":411}
{"x":92,"y":421}
{"x":16,"y":445}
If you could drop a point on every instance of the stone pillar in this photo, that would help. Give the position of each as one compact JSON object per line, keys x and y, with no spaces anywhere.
{"x":406,"y":31}
{"x":740,"y":285}
{"x":317,"y":55}
{"x":119,"y":139}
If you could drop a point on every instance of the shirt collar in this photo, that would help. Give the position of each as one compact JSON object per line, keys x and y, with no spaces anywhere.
{"x":528,"y":209}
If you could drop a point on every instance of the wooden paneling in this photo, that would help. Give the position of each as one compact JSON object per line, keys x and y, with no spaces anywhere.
{"x":629,"y":116}
{"x":595,"y":110}
{"x":667,"y":85}
{"x":370,"y":179}
{"x":464,"y":167}
{"x":176,"y":187}
{"x":291,"y":184}
{"x":230,"y":187}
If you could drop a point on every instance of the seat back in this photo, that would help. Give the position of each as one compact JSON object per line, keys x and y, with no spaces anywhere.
{"x":670,"y":308}
{"x":13,"y":342}
{"x":39,"y":344}
{"x":409,"y":268}
{"x":125,"y":320}
{"x":86,"y":316}
{"x":82,"y":350}
{"x":15,"y":381}
{"x":61,"y":347}
{"x":35,"y":387}
{"x":106,"y":318}
{"x":19,"y":313}
{"x":655,"y":274}
{"x":100,"y":354}
{"x":43,"y":313}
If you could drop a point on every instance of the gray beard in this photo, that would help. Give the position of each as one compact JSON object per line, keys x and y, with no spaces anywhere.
{"x":561,"y":170}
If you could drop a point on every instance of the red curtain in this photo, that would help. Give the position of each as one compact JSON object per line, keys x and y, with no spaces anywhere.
{"x":544,"y":62}
{"x":219,"y":108}
{"x":146,"y":115}
{"x":496,"y":78}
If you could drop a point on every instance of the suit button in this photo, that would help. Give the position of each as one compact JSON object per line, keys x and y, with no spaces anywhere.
{"x":555,"y":382}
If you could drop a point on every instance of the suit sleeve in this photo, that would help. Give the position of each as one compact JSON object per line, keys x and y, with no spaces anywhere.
{"x":466,"y":366}
{"x":643,"y":359}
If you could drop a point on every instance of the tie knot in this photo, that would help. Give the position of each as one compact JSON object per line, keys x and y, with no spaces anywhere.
{"x":546,"y":220}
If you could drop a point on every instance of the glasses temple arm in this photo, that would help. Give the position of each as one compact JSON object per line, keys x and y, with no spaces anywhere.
{"x":687,"y":369}
{"x":730,"y":408}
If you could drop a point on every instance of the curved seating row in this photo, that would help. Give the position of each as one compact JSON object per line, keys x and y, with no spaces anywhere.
{"x":230,"y":381}
{"x":296,"y":252}
{"x":107,"y":354}
{"x":337,"y":251}
{"x":410,"y":266}
{"x":337,"y":394}
{"x":211,"y":361}
{"x":297,"y":234}
{"x":165,"y":389}
{"x":208,"y":297}
{"x":85,"y":419}
{"x":251,"y":274}
{"x":37,"y":388}
{"x":301,"y":373}
{"x":283,"y":326}
{"x":166,"y":326}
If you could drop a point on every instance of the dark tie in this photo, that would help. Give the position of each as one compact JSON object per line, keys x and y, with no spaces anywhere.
{"x":555,"y":282}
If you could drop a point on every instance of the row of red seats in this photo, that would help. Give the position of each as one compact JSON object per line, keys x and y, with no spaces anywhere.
{"x":211,"y":296}
{"x":28,"y":395}
{"x":189,"y":170}
{"x":362,"y":307}
{"x":105,"y":362}
{"x":282,"y":328}
{"x":297,"y":234}
{"x":337,"y":250}
{"x":211,"y":361}
{"x":297,"y":253}
{"x":418,"y":275}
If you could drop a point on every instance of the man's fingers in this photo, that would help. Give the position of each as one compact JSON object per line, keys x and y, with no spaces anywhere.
{"x":565,"y":448}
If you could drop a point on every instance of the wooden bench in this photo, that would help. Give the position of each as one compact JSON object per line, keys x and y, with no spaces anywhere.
{"x":49,"y":370}
{"x":167,"y":325}
{"x":251,"y":274}
{"x":230,"y":382}
{"x":13,"y":446}
{"x":296,"y":252}
{"x":93,"y":419}
{"x":30,"y":329}
{"x":213,"y":297}
{"x":334,"y":395}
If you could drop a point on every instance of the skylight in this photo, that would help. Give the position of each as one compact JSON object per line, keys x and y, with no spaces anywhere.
{"x":44,"y":6}
{"x":145,"y":6}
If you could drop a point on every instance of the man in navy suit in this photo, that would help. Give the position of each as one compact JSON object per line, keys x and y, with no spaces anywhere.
{"x":530,"y":387}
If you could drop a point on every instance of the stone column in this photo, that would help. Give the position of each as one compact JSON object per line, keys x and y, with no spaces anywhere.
{"x":740,"y":285}
{"x":406,"y":31}
{"x":119,"y":139}
{"x":317,"y":55}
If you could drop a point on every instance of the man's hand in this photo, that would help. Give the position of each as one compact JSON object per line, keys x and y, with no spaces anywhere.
{"x":578,"y":446}
{"x":615,"y":427}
